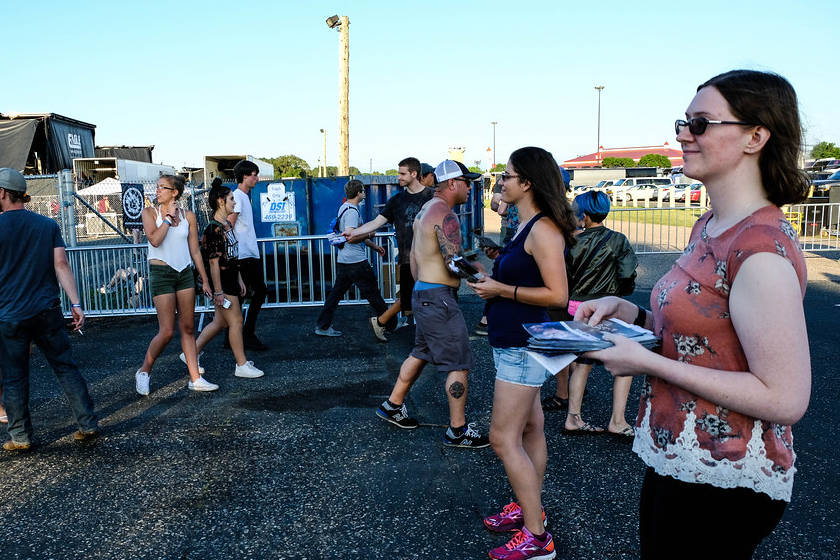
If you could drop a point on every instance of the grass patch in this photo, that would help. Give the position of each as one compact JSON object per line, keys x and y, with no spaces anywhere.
{"x":684,"y":217}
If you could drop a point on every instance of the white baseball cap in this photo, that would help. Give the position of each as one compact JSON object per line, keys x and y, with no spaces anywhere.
{"x":449,"y":169}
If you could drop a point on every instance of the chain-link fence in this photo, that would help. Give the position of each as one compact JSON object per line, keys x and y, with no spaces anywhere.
{"x":94,"y":214}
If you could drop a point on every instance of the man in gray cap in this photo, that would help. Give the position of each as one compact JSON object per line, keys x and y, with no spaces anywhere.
{"x":32,"y":264}
{"x":441,"y":336}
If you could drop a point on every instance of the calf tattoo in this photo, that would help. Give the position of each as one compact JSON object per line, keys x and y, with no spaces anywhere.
{"x":457,"y":390}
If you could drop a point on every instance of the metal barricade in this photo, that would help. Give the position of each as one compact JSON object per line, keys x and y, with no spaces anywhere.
{"x":113,"y":280}
{"x":667,"y":230}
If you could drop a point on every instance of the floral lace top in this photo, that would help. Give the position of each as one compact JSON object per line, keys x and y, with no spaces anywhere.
{"x":679,"y":434}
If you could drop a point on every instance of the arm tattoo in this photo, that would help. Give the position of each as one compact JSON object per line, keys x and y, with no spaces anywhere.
{"x":449,"y":237}
{"x":457,"y":390}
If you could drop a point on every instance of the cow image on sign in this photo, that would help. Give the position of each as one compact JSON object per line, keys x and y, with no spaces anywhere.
{"x":277,"y":205}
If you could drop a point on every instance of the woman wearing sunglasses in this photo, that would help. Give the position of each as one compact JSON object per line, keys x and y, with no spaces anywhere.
{"x":529,"y":275}
{"x":714,"y":423}
{"x":173,"y":246}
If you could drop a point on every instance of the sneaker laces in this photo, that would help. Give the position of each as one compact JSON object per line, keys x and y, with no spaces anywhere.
{"x":512,"y":507}
{"x":519,"y":538}
{"x":470,"y":431}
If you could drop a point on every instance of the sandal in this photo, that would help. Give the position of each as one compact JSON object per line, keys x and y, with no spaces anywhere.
{"x":555,"y":404}
{"x":586,"y":429}
{"x":626,"y":433}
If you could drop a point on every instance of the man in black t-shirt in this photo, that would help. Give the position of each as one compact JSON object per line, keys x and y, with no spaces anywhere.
{"x":400,"y":211}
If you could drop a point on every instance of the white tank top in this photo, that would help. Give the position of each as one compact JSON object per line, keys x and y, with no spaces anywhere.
{"x":175,"y":248}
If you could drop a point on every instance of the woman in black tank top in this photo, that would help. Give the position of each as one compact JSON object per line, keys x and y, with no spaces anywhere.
{"x":529,"y":275}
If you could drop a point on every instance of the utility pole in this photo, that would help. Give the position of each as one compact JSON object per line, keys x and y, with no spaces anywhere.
{"x":344,"y":97}
{"x":599,"y":88}
{"x":343,"y":24}
{"x":494,"y":123}
{"x":322,"y":169}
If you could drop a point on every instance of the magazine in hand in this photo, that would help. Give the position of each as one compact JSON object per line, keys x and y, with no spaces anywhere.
{"x":461,"y":266}
{"x":560,"y":337}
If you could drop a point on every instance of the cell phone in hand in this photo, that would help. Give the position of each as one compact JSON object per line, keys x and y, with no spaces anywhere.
{"x":487,"y":243}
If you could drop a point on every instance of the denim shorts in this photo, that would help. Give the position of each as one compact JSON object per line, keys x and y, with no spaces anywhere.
{"x":514,"y":365}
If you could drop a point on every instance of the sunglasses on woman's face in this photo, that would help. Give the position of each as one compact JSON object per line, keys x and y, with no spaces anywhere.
{"x":698,"y":125}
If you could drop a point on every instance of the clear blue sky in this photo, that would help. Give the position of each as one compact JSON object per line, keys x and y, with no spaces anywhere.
{"x":197,"y":78}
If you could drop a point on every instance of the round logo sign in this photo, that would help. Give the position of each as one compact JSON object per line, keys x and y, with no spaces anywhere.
{"x":132,"y":201}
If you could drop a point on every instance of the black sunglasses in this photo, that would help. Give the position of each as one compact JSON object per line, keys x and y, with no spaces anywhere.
{"x":697,"y":125}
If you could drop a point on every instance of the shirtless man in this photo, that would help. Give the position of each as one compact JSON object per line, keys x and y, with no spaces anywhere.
{"x":441,"y":337}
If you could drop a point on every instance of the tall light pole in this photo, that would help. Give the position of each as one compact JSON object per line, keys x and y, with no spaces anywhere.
{"x":322,"y":169}
{"x":494,"y":123}
{"x":343,"y":24}
{"x":599,"y":88}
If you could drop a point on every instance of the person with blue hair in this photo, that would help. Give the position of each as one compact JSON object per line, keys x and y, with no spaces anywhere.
{"x":601,"y":263}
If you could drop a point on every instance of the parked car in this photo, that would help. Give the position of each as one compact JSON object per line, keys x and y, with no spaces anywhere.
{"x":640,"y":192}
{"x":623,"y":184}
{"x":680,"y":190}
{"x":601,"y":185}
{"x":822,"y":187}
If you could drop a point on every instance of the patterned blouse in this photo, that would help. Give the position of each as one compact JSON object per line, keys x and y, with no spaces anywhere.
{"x":686,"y":437}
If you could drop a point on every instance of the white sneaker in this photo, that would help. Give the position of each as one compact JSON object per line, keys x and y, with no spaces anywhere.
{"x":378,"y":330}
{"x":141,"y":382}
{"x":200,"y":369}
{"x":202,"y":384}
{"x":248,"y":370}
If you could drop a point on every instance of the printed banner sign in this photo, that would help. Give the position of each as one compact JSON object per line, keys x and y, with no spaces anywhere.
{"x":277,"y":205}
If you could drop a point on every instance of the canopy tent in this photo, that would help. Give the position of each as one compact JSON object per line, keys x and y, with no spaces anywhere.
{"x":105,"y":187}
{"x":15,"y":142}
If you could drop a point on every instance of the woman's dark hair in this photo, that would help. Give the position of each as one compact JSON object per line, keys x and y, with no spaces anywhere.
{"x":539,"y":167}
{"x":176,"y":181}
{"x":769,"y":100}
{"x":217,"y":191}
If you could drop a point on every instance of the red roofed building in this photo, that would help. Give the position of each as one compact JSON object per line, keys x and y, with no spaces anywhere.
{"x":594,"y":159}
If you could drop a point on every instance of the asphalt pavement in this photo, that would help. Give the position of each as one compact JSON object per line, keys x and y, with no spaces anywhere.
{"x":297,"y":465}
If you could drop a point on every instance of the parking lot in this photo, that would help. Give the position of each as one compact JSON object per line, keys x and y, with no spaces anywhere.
{"x":296,"y":465}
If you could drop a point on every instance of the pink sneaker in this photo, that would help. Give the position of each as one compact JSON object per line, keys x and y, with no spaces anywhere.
{"x":509,"y":519}
{"x":523,"y":546}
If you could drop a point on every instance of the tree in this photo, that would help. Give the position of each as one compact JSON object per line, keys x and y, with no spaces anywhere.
{"x":392,"y":172}
{"x":332,"y":171}
{"x":618,"y":162}
{"x":289,"y":166}
{"x":654,"y":160}
{"x":825,"y":150}
{"x":500,"y":167}
{"x":475,"y":169}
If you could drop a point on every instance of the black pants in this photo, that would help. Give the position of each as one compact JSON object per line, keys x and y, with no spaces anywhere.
{"x":252,"y":275}
{"x":686,"y":520}
{"x":360,"y":274}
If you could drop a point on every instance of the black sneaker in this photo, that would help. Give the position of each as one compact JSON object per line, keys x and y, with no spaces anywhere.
{"x":555,"y":404}
{"x":469,"y":438}
{"x":397,"y":416}
{"x":481,"y":329}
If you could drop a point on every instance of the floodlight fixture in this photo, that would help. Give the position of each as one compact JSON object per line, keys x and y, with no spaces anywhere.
{"x":333,"y":22}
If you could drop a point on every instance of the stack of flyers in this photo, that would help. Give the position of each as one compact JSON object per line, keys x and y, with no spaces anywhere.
{"x":575,"y":337}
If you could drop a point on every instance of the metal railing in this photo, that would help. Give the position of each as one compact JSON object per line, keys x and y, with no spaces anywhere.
{"x":667,"y":230}
{"x":113,"y":280}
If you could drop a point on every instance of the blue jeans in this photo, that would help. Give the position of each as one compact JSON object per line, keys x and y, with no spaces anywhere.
{"x":46,"y":329}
